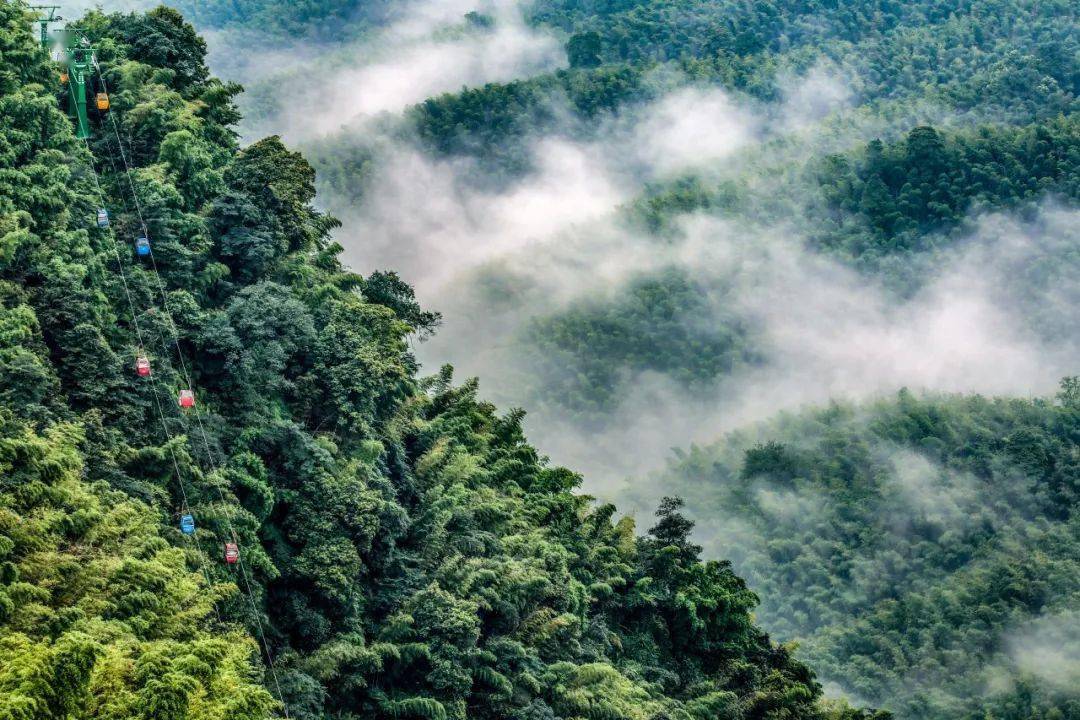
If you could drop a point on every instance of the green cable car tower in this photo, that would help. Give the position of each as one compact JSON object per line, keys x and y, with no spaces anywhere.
{"x":48,"y":15}
{"x":80,"y":61}
{"x":78,"y":56}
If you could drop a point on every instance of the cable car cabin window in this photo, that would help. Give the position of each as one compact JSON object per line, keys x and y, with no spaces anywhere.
{"x":232,"y":553}
{"x":187,"y":399}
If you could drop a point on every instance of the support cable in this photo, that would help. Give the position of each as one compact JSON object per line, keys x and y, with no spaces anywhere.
{"x":198,"y":415}
{"x":186,"y":507}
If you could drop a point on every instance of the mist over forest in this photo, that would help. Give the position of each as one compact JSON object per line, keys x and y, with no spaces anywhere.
{"x":683,"y":255}
{"x":566,"y":257}
{"x":695,"y":257}
{"x":554,"y":359}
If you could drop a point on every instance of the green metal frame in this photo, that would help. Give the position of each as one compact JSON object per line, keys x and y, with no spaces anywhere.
{"x":43,"y":20}
{"x":78,"y":55}
{"x":80,"y":62}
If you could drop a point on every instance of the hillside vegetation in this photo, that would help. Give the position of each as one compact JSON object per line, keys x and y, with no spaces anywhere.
{"x":923,"y":552}
{"x":952,"y":110}
{"x":404,"y":551}
{"x":982,"y":60}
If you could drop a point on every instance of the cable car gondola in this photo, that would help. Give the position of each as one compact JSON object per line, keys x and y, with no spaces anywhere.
{"x":142,"y":247}
{"x":102,"y":218}
{"x":102,"y":101}
{"x":232,"y":553}
{"x":187,"y":524}
{"x":142,"y":366}
{"x":186,"y":399}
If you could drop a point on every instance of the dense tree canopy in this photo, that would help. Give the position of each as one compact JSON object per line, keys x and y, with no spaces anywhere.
{"x":916,"y":538}
{"x":892,"y":198}
{"x":921,"y":551}
{"x":404,"y":551}
{"x":972,"y":105}
{"x":990,"y":60}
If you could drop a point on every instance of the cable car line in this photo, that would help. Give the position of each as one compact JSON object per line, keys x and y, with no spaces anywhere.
{"x":83,"y":59}
{"x":232,"y":549}
{"x":166,"y":343}
{"x":153,"y":382}
{"x":232,"y":553}
{"x":80,"y":57}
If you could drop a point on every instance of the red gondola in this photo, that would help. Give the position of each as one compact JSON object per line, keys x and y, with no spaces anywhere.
{"x":232,"y":553}
{"x":142,"y":366}
{"x":187,"y":399}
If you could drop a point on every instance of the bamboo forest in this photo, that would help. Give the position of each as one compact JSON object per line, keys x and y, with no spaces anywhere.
{"x":540,"y":360}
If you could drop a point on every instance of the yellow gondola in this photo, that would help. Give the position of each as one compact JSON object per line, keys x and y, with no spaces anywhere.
{"x":102,"y":101}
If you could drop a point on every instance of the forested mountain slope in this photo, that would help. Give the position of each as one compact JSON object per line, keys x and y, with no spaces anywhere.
{"x":404,"y":552}
{"x":946,"y":111}
{"x":896,"y":206}
{"x":993,"y":60}
{"x":924,"y":552}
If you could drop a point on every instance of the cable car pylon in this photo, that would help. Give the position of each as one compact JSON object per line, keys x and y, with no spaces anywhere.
{"x":78,"y":61}
{"x":43,"y":21}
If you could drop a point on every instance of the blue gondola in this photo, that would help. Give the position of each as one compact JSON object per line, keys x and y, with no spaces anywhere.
{"x":102,"y":218}
{"x":142,"y":247}
{"x":187,"y":524}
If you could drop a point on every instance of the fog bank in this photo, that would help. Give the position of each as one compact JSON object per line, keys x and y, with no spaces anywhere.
{"x":496,"y":257}
{"x":427,"y":47}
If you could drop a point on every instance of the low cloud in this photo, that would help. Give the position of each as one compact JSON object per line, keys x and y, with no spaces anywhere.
{"x":692,"y":128}
{"x":925,"y":491}
{"x":1047,"y":649}
{"x":826,"y":332}
{"x":494,"y":257}
{"x":429,"y":49}
{"x":810,"y":98}
{"x":556,"y":228}
{"x":421,"y":218}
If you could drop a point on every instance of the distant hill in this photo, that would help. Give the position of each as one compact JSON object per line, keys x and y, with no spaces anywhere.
{"x":923,"y":552}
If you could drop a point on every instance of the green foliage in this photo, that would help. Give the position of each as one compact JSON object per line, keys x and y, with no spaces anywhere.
{"x":917,"y":538}
{"x":99,"y":617}
{"x":888,"y":597}
{"x":161,"y":38}
{"x":891,"y":198}
{"x":583,"y":49}
{"x":657,"y":209}
{"x":971,"y":57}
{"x":406,"y":553}
{"x":586,"y":354}
{"x":1010,"y":54}
{"x":479,"y":121}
